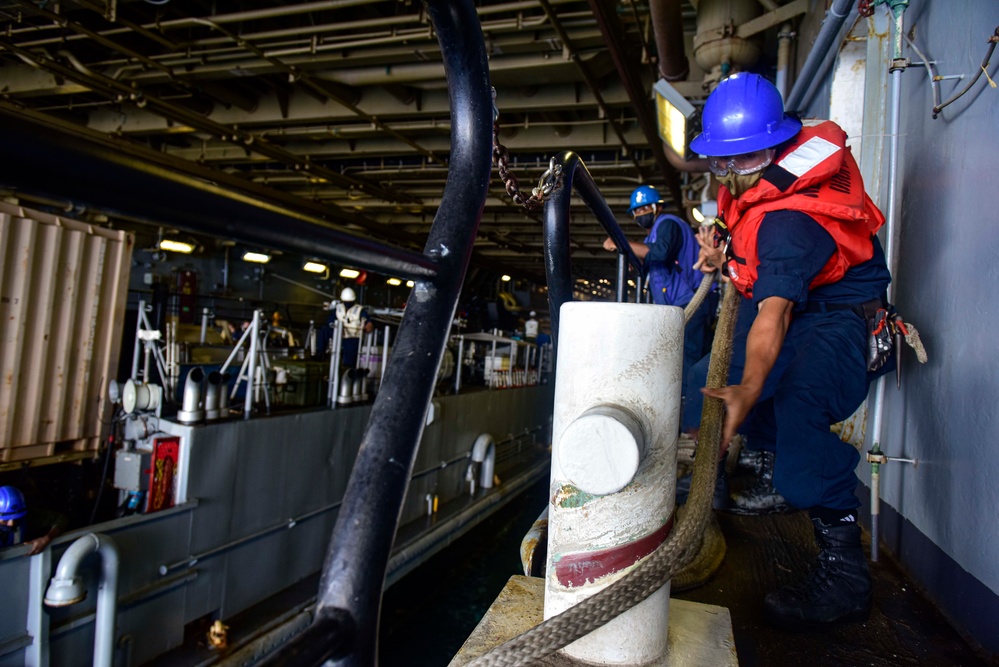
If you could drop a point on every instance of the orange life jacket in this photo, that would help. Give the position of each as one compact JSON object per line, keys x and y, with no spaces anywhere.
{"x":818,"y":176}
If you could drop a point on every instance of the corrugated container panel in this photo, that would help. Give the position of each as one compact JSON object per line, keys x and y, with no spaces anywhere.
{"x":63,"y":288}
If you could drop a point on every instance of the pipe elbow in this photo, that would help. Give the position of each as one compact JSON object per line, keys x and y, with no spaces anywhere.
{"x":192,"y":409}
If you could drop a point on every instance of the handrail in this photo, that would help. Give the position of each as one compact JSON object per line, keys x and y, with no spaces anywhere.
{"x":345,"y":629}
{"x":556,"y":230}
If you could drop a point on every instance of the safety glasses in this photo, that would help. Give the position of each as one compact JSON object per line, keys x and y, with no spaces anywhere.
{"x":642,"y":210}
{"x":747,"y":163}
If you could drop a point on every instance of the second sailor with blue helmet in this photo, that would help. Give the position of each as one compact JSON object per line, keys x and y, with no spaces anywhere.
{"x":670,"y":251}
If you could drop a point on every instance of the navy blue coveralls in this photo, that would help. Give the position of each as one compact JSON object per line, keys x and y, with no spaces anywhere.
{"x":673,"y":251}
{"x":820,"y":376}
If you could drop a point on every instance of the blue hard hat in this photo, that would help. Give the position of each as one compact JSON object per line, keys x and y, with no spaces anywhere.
{"x":12,"y":505}
{"x":643,"y":196}
{"x":745,"y":113}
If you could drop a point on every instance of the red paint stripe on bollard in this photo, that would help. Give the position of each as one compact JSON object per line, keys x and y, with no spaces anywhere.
{"x":578,"y":568}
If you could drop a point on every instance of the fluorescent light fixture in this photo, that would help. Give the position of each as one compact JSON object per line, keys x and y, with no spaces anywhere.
{"x":177,"y":246}
{"x":349,"y":273}
{"x":674,"y":116}
{"x":394,"y":282}
{"x":505,"y":278}
{"x":258,"y":257}
{"x":315,"y":267}
{"x":410,"y":283}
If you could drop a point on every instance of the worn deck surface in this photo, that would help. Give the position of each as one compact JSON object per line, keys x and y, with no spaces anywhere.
{"x":766,"y":552}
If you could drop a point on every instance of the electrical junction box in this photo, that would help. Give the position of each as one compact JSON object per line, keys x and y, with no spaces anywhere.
{"x":131,"y":469}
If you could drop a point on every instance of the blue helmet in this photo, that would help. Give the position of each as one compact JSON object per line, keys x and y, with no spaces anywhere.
{"x":745,"y":113}
{"x":12,"y":505}
{"x":643,"y":196}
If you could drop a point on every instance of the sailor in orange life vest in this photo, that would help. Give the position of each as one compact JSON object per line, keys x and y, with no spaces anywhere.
{"x":798,"y":232}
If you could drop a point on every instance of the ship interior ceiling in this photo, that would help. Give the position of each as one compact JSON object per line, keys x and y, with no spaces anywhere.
{"x":340,"y":109}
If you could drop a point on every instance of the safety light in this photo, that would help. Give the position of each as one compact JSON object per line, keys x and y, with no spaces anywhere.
{"x":409,"y":283}
{"x":675,"y":118}
{"x":394,"y":282}
{"x":505,"y":278}
{"x":177,"y":246}
{"x":349,"y":273}
{"x":256,"y":257}
{"x":315,"y":267}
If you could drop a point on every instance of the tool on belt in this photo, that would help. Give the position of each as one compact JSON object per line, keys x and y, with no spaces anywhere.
{"x":885,"y":332}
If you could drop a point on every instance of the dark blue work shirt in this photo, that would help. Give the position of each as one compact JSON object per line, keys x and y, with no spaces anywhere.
{"x":793,"y":248}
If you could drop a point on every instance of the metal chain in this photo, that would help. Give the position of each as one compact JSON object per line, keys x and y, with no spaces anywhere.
{"x":547,"y":184}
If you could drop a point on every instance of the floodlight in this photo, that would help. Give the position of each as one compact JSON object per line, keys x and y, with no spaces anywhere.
{"x":675,"y":118}
{"x":176,"y":246}
{"x":256,"y":257}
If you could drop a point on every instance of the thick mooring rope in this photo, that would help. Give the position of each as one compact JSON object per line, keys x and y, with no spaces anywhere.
{"x":674,"y":554}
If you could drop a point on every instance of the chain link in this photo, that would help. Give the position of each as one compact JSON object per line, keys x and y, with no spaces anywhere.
{"x":547,"y":184}
{"x":865,"y":8}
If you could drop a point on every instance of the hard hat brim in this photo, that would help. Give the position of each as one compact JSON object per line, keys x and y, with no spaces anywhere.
{"x":787,"y":128}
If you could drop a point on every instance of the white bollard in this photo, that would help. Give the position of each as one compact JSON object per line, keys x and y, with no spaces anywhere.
{"x":617,"y":409}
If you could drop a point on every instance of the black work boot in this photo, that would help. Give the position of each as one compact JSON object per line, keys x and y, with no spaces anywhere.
{"x":838,"y":587}
{"x":761,"y":497}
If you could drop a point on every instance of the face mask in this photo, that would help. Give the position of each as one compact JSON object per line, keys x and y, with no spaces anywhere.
{"x":645,"y":220}
{"x":738,"y":184}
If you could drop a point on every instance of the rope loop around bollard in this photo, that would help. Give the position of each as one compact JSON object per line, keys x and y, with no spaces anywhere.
{"x":673,"y":555}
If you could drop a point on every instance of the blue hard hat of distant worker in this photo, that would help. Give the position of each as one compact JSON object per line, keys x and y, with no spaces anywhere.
{"x":745,"y":113}
{"x":12,"y":505}
{"x":643,"y":196}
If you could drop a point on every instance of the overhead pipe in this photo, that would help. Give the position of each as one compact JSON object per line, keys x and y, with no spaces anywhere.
{"x":784,"y":37}
{"x":345,"y":630}
{"x":44,"y":156}
{"x":66,"y":588}
{"x":667,"y":27}
{"x":627,"y":71}
{"x":820,"y":58}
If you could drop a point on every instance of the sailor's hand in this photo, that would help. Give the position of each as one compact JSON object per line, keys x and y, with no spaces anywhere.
{"x":38,"y":545}
{"x":609,"y":244}
{"x":709,"y":258}
{"x":739,"y":400}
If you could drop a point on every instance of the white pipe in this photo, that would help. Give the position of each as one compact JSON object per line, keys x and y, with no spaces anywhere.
{"x":385,"y":353}
{"x":891,"y":223}
{"x":204,"y":325}
{"x":66,"y":589}
{"x":138,"y":341}
{"x":334,"y":386}
{"x":484,"y":452}
{"x":213,"y":396}
{"x":461,"y":364}
{"x":251,"y":371}
{"x":615,"y":424}
{"x":191,"y":408}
